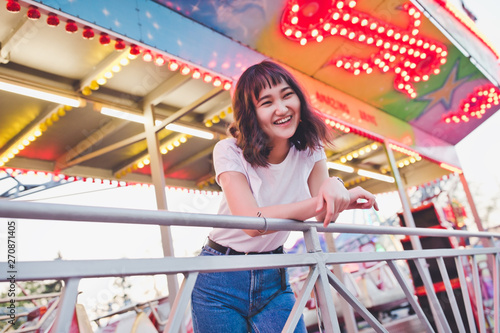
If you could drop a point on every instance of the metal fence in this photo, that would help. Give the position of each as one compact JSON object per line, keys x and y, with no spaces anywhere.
{"x":320,"y":279}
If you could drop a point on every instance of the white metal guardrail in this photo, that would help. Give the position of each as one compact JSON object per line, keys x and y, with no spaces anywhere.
{"x":320,"y":277}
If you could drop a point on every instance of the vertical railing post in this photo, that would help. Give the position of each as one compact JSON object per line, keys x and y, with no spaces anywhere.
{"x":347,"y":311}
{"x":325,"y":305}
{"x":496,"y":291}
{"x":66,"y":306}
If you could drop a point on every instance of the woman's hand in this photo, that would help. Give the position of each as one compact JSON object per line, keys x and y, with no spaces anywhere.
{"x":332,"y":199}
{"x":361,"y":199}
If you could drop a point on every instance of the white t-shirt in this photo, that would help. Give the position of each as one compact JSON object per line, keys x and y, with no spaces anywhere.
{"x":282,"y":183}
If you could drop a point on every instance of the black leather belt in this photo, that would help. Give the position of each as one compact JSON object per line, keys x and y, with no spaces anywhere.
{"x":229,"y":251}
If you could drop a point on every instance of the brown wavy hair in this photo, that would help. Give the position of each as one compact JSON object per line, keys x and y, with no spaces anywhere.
{"x":311,"y":132}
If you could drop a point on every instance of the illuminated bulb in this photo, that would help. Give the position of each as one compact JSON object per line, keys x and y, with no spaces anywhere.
{"x":183,"y":139}
{"x":227,"y":85}
{"x":173,"y":66}
{"x":298,"y":34}
{"x":31,"y":138}
{"x":185,"y":70}
{"x":196,"y":74}
{"x":146,"y":161}
{"x":207,"y":77}
{"x":37,"y":133}
{"x":102,"y":81}
{"x":147,"y":56}
{"x":217,"y":82}
{"x":303,"y":41}
{"x":176,"y":143}
{"x":159,"y":61}
{"x":170,"y":146}
{"x":288,"y":32}
{"x":116,"y":68}
{"x":124,"y":61}
{"x":94,"y":85}
{"x":294,"y":20}
{"x":140,"y":165}
{"x":343,"y":159}
{"x":164,"y":151}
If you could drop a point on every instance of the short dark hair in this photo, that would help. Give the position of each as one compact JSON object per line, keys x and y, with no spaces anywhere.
{"x":311,"y":132}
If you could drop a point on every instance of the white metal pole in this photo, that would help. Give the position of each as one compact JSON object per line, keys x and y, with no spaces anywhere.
{"x":158,"y":177}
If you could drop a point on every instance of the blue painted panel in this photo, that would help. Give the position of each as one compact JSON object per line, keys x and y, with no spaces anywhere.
{"x":157,"y":26}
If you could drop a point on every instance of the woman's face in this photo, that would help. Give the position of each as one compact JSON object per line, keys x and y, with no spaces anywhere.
{"x":278,"y":111}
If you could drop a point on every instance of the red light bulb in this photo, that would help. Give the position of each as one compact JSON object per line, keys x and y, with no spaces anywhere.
{"x":88,"y":33}
{"x":104,"y":39}
{"x":13,"y":6}
{"x":71,"y":26}
{"x":135,"y":50}
{"x":120,"y":44}
{"x":53,"y":20}
{"x":33,"y":13}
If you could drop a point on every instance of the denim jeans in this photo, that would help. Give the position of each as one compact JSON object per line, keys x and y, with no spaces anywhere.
{"x":241,"y":301}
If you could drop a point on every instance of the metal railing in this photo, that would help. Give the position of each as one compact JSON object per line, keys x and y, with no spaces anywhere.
{"x":320,"y":278}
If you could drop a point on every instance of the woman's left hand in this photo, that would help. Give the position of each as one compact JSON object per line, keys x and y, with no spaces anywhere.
{"x":333,"y":198}
{"x":361,"y":199}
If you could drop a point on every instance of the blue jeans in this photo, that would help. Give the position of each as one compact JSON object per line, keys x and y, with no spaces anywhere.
{"x":241,"y":301}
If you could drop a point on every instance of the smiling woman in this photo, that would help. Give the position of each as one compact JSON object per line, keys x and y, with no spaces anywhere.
{"x":274,"y":166}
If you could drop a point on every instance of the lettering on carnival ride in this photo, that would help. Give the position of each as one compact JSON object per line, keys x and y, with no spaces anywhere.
{"x":328,"y":100}
{"x":368,"y":117}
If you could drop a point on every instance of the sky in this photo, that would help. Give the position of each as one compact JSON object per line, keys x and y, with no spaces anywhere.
{"x":479,"y":162}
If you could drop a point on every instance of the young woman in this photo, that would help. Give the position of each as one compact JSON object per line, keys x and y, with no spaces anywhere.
{"x":273,"y":166}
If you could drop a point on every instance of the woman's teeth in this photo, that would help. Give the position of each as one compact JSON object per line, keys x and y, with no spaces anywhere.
{"x":283,"y":120}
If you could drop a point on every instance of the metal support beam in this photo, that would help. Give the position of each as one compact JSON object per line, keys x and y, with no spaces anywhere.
{"x":21,"y":34}
{"x":161,"y":197}
{"x":64,"y":161}
{"x":141,"y":136}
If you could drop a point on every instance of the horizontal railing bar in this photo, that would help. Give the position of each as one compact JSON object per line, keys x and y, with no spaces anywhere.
{"x":64,"y":269}
{"x":359,"y":257}
{"x":76,"y":213}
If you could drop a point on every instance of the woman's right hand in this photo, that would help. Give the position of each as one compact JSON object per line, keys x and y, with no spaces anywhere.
{"x":332,"y":199}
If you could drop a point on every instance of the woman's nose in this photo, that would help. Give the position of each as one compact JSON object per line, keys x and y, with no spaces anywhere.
{"x":281,"y":108}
